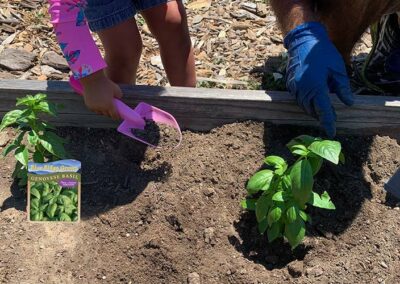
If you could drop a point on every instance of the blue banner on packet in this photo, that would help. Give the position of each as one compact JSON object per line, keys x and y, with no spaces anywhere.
{"x":54,"y":167}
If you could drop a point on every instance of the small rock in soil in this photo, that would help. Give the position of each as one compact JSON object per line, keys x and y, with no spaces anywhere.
{"x":295,"y":269}
{"x":4,"y":139}
{"x":193,"y":278}
{"x":16,"y":59}
{"x":209,"y":235}
{"x":209,"y":191}
{"x":55,"y":60}
{"x":314,"y":271}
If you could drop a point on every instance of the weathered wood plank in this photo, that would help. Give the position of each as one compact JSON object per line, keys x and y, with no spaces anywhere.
{"x":203,"y":109}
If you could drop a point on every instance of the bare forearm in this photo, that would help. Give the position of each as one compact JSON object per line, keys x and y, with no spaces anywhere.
{"x":292,"y":13}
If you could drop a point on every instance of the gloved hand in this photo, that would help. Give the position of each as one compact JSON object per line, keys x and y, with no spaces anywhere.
{"x":314,"y":69}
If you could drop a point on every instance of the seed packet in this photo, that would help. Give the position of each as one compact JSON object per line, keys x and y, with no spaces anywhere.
{"x":54,"y":191}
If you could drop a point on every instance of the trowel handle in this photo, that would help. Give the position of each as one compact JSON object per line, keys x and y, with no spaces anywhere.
{"x":125,"y":112}
{"x":128,"y":114}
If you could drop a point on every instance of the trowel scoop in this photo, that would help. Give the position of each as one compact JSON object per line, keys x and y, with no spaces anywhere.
{"x":136,"y":118}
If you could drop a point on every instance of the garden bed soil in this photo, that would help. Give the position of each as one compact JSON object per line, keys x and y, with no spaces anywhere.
{"x":152,"y":216}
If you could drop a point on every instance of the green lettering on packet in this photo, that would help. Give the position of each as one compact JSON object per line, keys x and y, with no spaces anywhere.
{"x":54,"y":191}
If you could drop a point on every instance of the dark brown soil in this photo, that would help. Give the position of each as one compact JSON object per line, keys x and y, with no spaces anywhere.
{"x":153,"y":216}
{"x":158,"y":134}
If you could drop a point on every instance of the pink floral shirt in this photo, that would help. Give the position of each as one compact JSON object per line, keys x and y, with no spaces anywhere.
{"x":74,"y":38}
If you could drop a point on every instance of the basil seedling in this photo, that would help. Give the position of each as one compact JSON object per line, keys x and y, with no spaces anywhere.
{"x":280,"y":195}
{"x":41,"y":143}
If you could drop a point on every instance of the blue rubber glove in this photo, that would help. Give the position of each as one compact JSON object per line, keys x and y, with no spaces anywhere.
{"x":314,"y":69}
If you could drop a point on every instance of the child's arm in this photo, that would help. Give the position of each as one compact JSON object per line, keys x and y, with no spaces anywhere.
{"x":74,"y":37}
{"x":83,"y":56}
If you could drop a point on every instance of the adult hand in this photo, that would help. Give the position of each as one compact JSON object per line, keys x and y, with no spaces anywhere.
{"x":315,"y":68}
{"x":99,"y":92}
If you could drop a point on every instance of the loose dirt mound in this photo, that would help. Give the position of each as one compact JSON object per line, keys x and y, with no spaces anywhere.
{"x":158,"y":217}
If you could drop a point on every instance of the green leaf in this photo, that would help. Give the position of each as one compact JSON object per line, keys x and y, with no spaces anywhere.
{"x":35,"y":193}
{"x":43,"y":207}
{"x":302,"y":181}
{"x":260,"y":181}
{"x":51,"y":210}
{"x":71,"y":194}
{"x":60,"y":210}
{"x":295,"y":232}
{"x":74,"y":190}
{"x":69,"y":209}
{"x":33,"y":138}
{"x":286,"y":183}
{"x":36,"y":217}
{"x":262,"y":226}
{"x":249,"y":204}
{"x":52,"y":145}
{"x":278,"y":163}
{"x":292,"y":213}
{"x":10,"y":118}
{"x":21,"y":155}
{"x":64,"y":217}
{"x":274,"y":232}
{"x":316,"y":163}
{"x":64,"y":200}
{"x":279,"y":196}
{"x":41,"y":215}
{"x":57,"y":189}
{"x":262,"y":206}
{"x":305,"y":140}
{"x":14,"y":145}
{"x":27,"y":101}
{"x":35,"y":203}
{"x":40,"y":97}
{"x":327,"y":149}
{"x":323,"y":201}
{"x":48,"y":197}
{"x":46,"y":107}
{"x":55,"y":137}
{"x":274,"y":215}
{"x":7,"y":150}
{"x":304,"y":216}
{"x":299,"y":150}
{"x":45,"y":190}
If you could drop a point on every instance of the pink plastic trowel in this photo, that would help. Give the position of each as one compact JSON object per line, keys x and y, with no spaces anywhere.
{"x":136,"y":118}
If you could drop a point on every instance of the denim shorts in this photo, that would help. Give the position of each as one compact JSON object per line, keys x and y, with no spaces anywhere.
{"x":103,"y":14}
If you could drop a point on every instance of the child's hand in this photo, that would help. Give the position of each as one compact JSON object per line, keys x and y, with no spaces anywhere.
{"x":99,"y":92}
